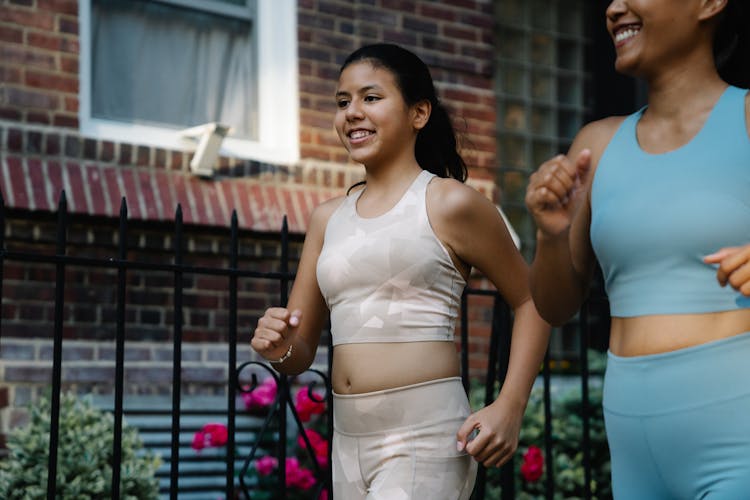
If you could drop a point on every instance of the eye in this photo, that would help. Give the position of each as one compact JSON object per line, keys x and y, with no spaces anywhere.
{"x":342,"y":103}
{"x":371,"y":98}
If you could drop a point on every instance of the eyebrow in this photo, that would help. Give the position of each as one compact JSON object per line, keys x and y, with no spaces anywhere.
{"x":363,"y":90}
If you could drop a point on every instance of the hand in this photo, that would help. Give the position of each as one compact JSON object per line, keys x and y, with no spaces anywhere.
{"x":734,"y":267}
{"x":555,"y":192}
{"x":498,"y":426}
{"x":271,"y":337}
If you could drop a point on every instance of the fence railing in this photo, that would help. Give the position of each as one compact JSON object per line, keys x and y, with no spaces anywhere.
{"x":276,"y":422}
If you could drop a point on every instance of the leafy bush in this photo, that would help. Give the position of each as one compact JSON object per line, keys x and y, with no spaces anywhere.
{"x":567,"y":439}
{"x":84,"y":466}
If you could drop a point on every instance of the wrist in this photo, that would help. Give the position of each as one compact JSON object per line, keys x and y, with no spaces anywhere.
{"x":283,"y":357}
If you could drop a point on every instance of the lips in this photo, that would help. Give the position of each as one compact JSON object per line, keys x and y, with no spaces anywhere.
{"x":359,"y":135}
{"x":622,"y":34}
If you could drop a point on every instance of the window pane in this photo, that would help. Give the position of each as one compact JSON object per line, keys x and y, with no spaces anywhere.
{"x":160,"y":64}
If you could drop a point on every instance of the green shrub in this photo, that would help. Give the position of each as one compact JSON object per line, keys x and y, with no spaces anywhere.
{"x":84,"y":466}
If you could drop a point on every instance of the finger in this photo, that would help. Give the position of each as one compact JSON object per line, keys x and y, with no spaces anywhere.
{"x":730,"y":269}
{"x":295,"y":317}
{"x":273,"y":324}
{"x":559,"y":182}
{"x":281,"y":313}
{"x":718,"y":256}
{"x":478,"y":447}
{"x":740,"y":276}
{"x":462,"y":436}
{"x":497,"y":459}
{"x":583,"y":165}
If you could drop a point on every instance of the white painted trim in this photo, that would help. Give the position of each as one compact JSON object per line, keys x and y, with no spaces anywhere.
{"x":278,"y":94}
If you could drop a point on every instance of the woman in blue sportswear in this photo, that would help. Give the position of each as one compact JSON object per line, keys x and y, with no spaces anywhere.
{"x":662,"y":199}
{"x":389,"y":261}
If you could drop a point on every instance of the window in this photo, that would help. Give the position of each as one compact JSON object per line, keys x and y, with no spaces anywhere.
{"x":150,"y":69}
{"x":539,"y":86}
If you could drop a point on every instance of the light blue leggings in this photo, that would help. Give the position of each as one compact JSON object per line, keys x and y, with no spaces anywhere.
{"x":678,"y":423}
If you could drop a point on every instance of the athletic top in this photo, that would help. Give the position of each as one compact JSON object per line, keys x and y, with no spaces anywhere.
{"x":388,"y":278}
{"x":655,"y":216}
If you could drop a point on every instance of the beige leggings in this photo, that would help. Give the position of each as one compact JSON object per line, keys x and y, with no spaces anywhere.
{"x":400,"y":444}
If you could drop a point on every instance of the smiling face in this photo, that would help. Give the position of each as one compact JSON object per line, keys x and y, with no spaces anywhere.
{"x":372,"y":120}
{"x":649,"y":35}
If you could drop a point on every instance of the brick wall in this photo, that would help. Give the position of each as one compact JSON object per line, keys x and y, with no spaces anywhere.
{"x":42,"y":153}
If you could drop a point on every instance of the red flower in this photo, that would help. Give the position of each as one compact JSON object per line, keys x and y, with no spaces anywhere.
{"x":306,"y":407}
{"x":298,"y":477}
{"x":211,"y":435}
{"x":262,"y":396}
{"x":266,"y":465}
{"x":319,"y":446}
{"x":532,"y":467}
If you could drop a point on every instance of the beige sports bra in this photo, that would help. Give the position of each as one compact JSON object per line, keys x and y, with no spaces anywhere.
{"x":388,"y":278}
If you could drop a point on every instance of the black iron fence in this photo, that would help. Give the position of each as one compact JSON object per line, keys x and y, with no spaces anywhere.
{"x":276,"y":425}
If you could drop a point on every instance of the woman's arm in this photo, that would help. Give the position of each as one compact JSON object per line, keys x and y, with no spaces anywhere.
{"x":473,"y":230}
{"x":558,"y":197}
{"x":298,"y":326}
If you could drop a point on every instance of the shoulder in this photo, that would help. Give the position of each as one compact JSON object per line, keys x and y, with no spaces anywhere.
{"x":449,"y":198}
{"x":595,"y":136}
{"x":322,"y":213}
{"x":747,"y":112}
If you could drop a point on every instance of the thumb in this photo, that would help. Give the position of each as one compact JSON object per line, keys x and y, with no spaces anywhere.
{"x":295,"y":317}
{"x":583,"y":164}
{"x":462,"y":436}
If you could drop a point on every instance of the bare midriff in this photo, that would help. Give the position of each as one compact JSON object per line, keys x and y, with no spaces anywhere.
{"x":368,"y":367}
{"x":654,"y":334}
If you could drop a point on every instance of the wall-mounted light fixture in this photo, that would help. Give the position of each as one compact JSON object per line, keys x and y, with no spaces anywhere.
{"x":209,"y":137}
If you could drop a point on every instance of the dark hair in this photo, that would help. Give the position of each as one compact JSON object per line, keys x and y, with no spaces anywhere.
{"x":732,"y":44}
{"x":436,"y":148}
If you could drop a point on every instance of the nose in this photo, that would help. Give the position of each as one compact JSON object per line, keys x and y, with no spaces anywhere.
{"x":615,"y":9}
{"x":354,"y":110}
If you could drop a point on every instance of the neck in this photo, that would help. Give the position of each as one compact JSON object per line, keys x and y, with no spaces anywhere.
{"x":679,"y":90}
{"x":395,"y":175}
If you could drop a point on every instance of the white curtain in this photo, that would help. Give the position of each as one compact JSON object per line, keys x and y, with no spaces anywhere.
{"x":158,"y":64}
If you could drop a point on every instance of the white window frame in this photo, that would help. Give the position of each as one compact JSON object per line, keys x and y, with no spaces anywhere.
{"x":278,"y":93}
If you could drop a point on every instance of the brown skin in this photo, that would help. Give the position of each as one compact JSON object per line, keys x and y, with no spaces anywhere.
{"x":672,"y":52}
{"x":369,"y":99}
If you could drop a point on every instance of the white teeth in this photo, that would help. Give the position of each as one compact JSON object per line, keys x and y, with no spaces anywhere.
{"x":358,"y":134}
{"x":625,"y":34}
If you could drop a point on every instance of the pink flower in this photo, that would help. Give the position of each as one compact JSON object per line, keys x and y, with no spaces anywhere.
{"x":266,"y":465}
{"x":319,"y":446}
{"x":323,"y":495}
{"x":306,"y":407}
{"x":532,"y":467}
{"x":298,"y":477}
{"x":262,"y":396}
{"x":211,"y":435}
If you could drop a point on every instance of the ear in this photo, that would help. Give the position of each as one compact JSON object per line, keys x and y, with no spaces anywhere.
{"x":711,"y":8}
{"x":420,"y":114}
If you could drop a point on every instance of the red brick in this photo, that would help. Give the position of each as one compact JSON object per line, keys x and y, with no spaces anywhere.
{"x":69,"y":64}
{"x":77,"y":196}
{"x":96,"y":188}
{"x":110,"y":181}
{"x":38,"y":184}
{"x":31,"y":99}
{"x":68,"y":25}
{"x":52,"y":81}
{"x":153,"y":211}
{"x":221,"y":217}
{"x":131,"y":193}
{"x":195,"y":191}
{"x":183,"y":199}
{"x":71,"y":103}
{"x":15,"y":54}
{"x":11,"y":34}
{"x":69,"y":7}
{"x":38,"y":117}
{"x":168,"y":202}
{"x":25,"y":17}
{"x":17,"y":174}
{"x":65,"y":120}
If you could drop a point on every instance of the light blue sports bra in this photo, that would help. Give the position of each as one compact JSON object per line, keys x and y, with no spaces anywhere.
{"x":655,"y":216}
